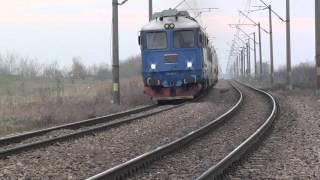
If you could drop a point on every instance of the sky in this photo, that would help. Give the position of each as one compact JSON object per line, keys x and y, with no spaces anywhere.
{"x":58,"y":30}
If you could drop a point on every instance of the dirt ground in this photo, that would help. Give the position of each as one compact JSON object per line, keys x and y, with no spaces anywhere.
{"x":292,"y":150}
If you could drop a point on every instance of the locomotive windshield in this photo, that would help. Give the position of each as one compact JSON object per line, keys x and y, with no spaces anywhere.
{"x":156,"y":40}
{"x":183,"y":39}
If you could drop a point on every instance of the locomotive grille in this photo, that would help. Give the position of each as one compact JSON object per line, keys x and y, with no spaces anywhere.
{"x":170,"y":58}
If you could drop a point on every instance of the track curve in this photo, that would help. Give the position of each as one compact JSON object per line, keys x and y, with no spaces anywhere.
{"x":126,"y":169}
{"x":217,"y":171}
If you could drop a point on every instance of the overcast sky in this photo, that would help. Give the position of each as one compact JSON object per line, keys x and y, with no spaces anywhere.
{"x":57,"y":30}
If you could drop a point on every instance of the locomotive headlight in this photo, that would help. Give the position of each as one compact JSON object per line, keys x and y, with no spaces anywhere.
{"x":169,"y":26}
{"x":189,"y":64}
{"x":153,"y":66}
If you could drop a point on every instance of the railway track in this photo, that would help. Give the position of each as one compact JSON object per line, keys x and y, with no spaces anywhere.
{"x":81,"y":157}
{"x":226,"y":157}
{"x":28,"y":141}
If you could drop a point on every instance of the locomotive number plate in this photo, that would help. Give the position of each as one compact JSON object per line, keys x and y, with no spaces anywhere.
{"x":170,"y":58}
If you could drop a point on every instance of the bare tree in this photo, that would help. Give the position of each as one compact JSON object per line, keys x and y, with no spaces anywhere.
{"x":28,"y":68}
{"x":103,"y":72}
{"x":131,"y":67}
{"x":78,"y":69}
{"x":8,"y":64}
{"x":52,"y":71}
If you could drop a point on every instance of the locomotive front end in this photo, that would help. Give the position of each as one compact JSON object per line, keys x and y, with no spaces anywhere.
{"x":172,"y":66}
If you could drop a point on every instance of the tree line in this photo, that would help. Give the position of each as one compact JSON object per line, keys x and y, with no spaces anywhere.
{"x":30,"y":68}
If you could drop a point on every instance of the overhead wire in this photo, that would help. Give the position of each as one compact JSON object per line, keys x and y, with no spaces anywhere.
{"x":240,"y":21}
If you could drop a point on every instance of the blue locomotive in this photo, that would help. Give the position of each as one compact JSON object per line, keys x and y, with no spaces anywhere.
{"x":178,"y":61}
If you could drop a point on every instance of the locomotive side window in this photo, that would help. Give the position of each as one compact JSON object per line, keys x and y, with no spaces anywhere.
{"x":203,"y":40}
{"x":156,"y":40}
{"x":200,"y":39}
{"x":209,"y":54}
{"x":183,"y":39}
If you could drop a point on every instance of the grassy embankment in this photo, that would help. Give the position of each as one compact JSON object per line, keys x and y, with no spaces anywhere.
{"x":27,"y":104}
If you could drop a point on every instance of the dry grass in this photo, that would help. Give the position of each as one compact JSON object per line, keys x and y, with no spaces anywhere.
{"x":303,"y":77}
{"x":44,"y":104}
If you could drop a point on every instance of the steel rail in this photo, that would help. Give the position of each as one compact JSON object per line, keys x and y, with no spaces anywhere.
{"x":75,"y":125}
{"x":126,"y":169}
{"x":107,"y":125}
{"x":221,"y":167}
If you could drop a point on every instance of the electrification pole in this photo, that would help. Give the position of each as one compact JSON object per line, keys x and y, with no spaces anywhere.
{"x":271,"y":46}
{"x":260,"y":50}
{"x":237,"y":66}
{"x":288,"y":49}
{"x":317,"y":22}
{"x":244,"y":61}
{"x":150,"y":10}
{"x":255,"y":55}
{"x":235,"y":70}
{"x":115,"y":53}
{"x":260,"y":42}
{"x":249,"y":57}
{"x":289,"y":72}
{"x":255,"y":45}
{"x":241,"y":61}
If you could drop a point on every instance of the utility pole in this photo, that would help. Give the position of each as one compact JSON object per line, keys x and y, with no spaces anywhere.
{"x":260,"y":42}
{"x":150,"y":10}
{"x":289,"y":72}
{"x":235,"y":69}
{"x":249,"y":57}
{"x":255,"y":55}
{"x":241,"y":61}
{"x":115,"y":53}
{"x":260,"y":50}
{"x":244,"y":61}
{"x":238,"y":66}
{"x":287,"y":21}
{"x":317,"y":14}
{"x":271,"y":46}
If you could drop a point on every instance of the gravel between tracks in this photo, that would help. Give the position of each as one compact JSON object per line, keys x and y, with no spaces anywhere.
{"x":81,"y":158}
{"x":191,"y":162}
{"x":64,"y":132}
{"x":292,"y":150}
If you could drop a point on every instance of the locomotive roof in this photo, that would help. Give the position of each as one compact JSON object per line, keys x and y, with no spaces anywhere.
{"x":170,"y":13}
{"x":181,"y":19}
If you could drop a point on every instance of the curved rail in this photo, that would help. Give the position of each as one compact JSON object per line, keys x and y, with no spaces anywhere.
{"x":124,"y":170}
{"x":216,"y":171}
